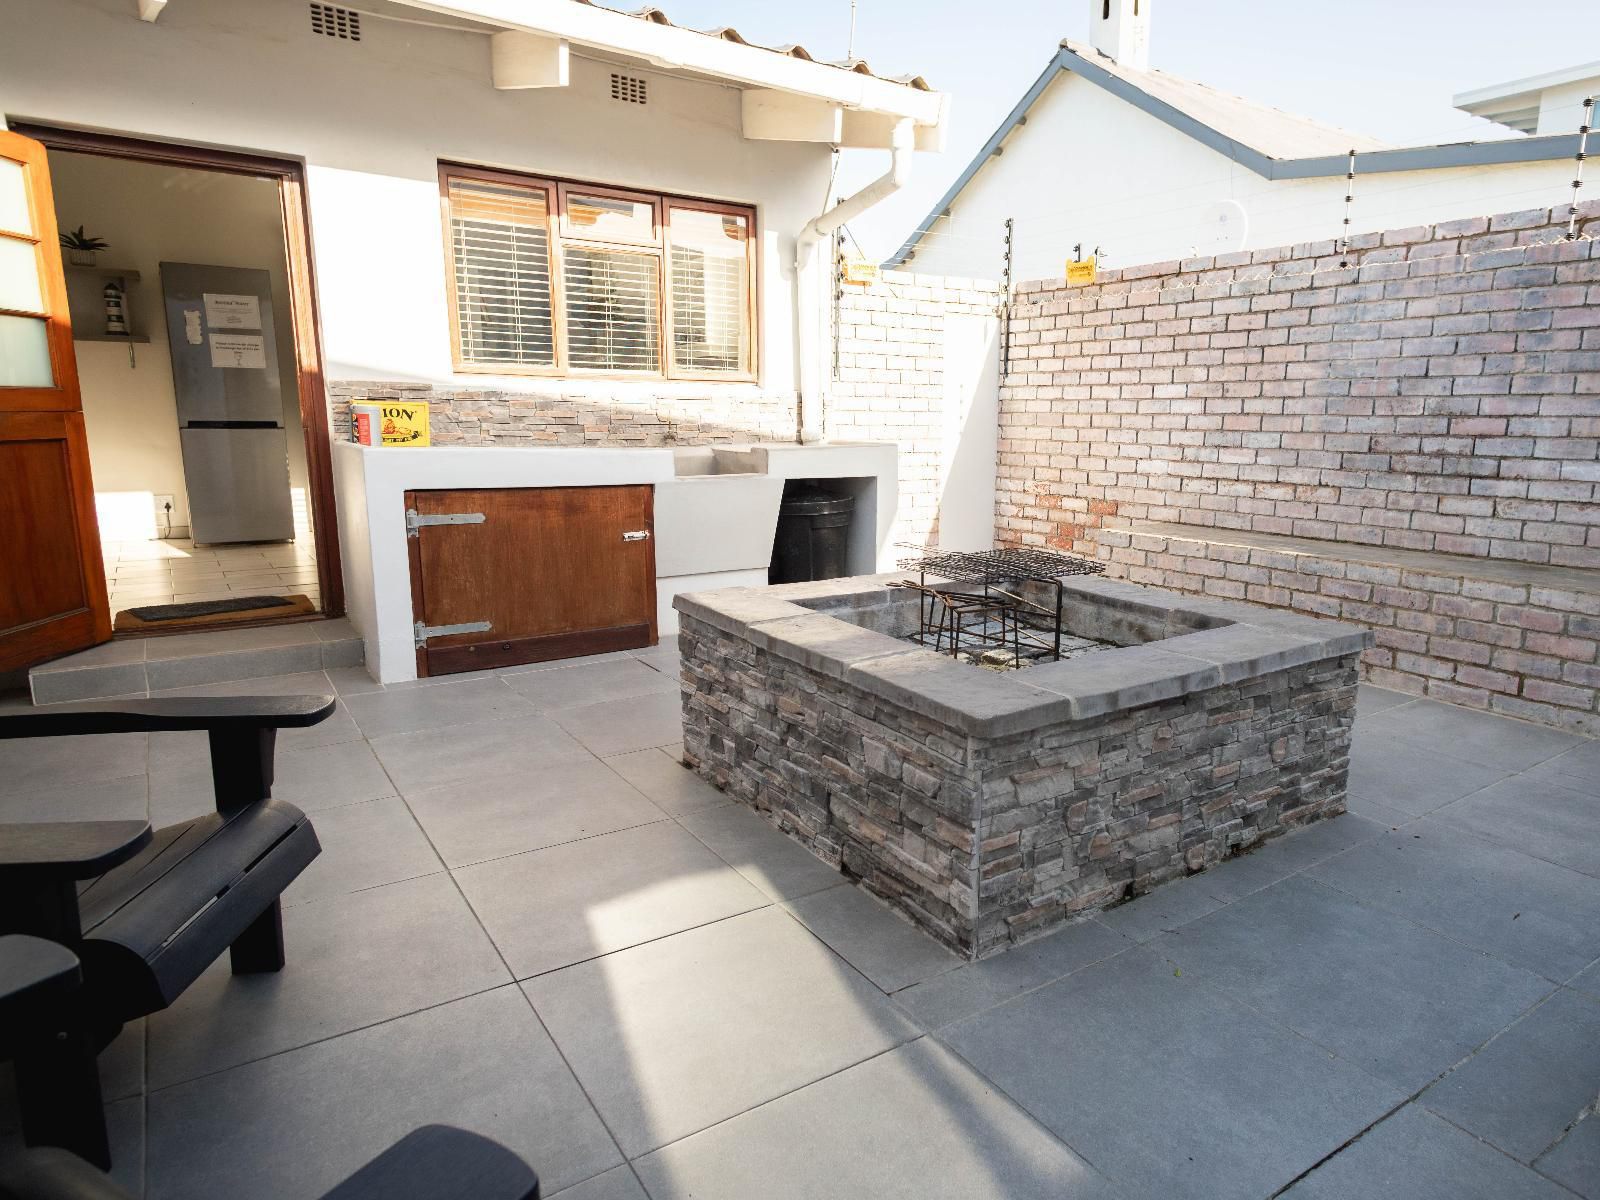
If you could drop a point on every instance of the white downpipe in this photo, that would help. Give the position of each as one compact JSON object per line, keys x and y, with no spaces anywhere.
{"x":810,"y":297}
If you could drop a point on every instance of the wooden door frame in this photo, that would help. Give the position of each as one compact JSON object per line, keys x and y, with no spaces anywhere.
{"x":303,"y":314}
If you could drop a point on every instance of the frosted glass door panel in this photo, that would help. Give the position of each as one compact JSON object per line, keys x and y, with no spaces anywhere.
{"x":19,"y":276}
{"x":25,"y":353}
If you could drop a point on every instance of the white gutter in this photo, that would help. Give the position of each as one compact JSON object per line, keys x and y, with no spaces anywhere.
{"x":810,"y":298}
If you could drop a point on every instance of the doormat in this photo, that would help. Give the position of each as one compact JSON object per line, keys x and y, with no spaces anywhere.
{"x":234,"y":610}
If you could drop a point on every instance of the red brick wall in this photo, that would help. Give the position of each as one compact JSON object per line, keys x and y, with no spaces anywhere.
{"x":1442,"y":392}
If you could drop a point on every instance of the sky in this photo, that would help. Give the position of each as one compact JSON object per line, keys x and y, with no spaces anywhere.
{"x":1386,"y":68}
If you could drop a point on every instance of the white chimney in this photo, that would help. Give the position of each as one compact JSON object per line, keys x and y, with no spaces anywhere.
{"x":1120,"y":29}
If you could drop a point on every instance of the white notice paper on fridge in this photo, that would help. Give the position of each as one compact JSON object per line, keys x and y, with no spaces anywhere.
{"x":232,"y":312}
{"x":238,"y":350}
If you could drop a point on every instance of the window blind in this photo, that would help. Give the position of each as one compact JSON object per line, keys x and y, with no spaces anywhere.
{"x":613,"y":314}
{"x":500,"y":239}
{"x":710,"y":291}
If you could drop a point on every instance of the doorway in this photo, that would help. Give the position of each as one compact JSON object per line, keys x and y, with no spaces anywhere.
{"x":194,"y":332}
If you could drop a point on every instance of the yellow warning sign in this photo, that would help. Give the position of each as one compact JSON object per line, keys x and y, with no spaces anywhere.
{"x":1081,"y":271}
{"x":391,"y":423}
{"x":859,"y":270}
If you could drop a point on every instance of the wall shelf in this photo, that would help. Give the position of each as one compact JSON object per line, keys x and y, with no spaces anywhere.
{"x":104,"y":272}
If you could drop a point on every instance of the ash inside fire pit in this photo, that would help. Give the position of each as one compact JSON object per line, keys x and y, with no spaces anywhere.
{"x":1006,"y":613}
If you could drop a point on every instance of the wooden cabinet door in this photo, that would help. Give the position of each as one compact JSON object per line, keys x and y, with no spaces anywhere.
{"x":555,"y":572}
{"x":52,"y":579}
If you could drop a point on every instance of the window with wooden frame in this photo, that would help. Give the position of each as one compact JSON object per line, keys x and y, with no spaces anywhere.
{"x":551,"y":277}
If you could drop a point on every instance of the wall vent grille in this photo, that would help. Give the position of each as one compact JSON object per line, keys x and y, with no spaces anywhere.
{"x":630,"y":89}
{"x":335,"y":22}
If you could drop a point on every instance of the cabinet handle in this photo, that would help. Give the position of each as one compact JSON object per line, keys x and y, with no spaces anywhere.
{"x":636,"y":535}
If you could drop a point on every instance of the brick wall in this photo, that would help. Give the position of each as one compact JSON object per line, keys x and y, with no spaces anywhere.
{"x":890,"y":381}
{"x":1440,"y":393}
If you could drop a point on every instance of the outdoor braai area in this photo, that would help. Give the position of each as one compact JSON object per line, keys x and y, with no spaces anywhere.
{"x":1018,"y":742}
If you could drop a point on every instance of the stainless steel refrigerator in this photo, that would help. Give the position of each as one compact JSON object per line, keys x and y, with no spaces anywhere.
{"x":230,"y":402}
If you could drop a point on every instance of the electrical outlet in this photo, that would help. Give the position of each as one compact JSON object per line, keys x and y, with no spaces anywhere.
{"x":164,"y":506}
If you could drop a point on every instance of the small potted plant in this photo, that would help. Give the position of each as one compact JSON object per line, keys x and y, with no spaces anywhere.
{"x":81,"y":248}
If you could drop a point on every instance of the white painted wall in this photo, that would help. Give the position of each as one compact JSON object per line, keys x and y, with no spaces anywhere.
{"x":710,"y":531}
{"x":152,"y":214}
{"x":1090,"y":168}
{"x":372,"y":120}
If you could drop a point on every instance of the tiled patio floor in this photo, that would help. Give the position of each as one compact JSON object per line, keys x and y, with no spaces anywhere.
{"x":529,"y":920}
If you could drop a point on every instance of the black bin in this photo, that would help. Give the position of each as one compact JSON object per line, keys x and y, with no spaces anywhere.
{"x":813,"y":535}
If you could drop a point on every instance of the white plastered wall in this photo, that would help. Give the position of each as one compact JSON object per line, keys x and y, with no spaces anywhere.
{"x":1090,"y":168}
{"x":372,"y":120}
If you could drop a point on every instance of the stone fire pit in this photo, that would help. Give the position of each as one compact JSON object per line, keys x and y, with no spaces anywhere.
{"x":989,"y":806}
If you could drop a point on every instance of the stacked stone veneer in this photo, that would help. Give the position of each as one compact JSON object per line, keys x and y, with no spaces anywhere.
{"x":988,"y":808}
{"x":545,"y":414}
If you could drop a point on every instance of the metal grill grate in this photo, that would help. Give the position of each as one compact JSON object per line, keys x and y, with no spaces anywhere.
{"x":335,"y":22}
{"x":989,"y":565}
{"x":630,"y":89}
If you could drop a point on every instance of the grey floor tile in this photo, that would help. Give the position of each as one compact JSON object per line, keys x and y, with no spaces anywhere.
{"x":479,"y":819}
{"x":1538,"y":817}
{"x":1412,"y":779}
{"x":1578,"y":769}
{"x":102,"y":800}
{"x":295,"y":1124}
{"x":237,"y":667}
{"x":1587,"y":980}
{"x":671,"y":786}
{"x":435,"y":708}
{"x":1520,"y":909}
{"x":754,"y":847}
{"x":1417,"y":1156}
{"x":619,"y":1183}
{"x":352,"y":681}
{"x":913,"y":1124}
{"x":671,"y":1037}
{"x":29,"y":764}
{"x":364,"y":845}
{"x":111,"y":654}
{"x":1168,"y":907}
{"x":884,"y":946}
{"x":122,"y":1063}
{"x":1499,"y":742}
{"x":480,"y":751}
{"x":1525,"y":1087}
{"x":352,"y":961}
{"x":314,"y":779}
{"x":88,"y":683}
{"x":340,"y":727}
{"x":229,"y":641}
{"x":664,"y":658}
{"x":1315,"y":843}
{"x":294,"y":683}
{"x":1400,"y":1001}
{"x":1167,"y":1087}
{"x":125,"y":1130}
{"x":590,"y":683}
{"x":620,"y":726}
{"x":562,"y":663}
{"x":1376,"y":810}
{"x":1371,"y":700}
{"x":973,"y":987}
{"x":1575,"y":1161}
{"x":550,"y":908}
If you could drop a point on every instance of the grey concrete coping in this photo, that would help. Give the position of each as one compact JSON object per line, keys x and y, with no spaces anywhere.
{"x":1209,"y":643}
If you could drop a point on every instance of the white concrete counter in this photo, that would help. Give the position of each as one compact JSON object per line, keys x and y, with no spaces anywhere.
{"x":714,"y":524}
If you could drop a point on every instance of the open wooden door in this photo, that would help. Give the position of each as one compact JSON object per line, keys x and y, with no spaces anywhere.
{"x":52,"y":579}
